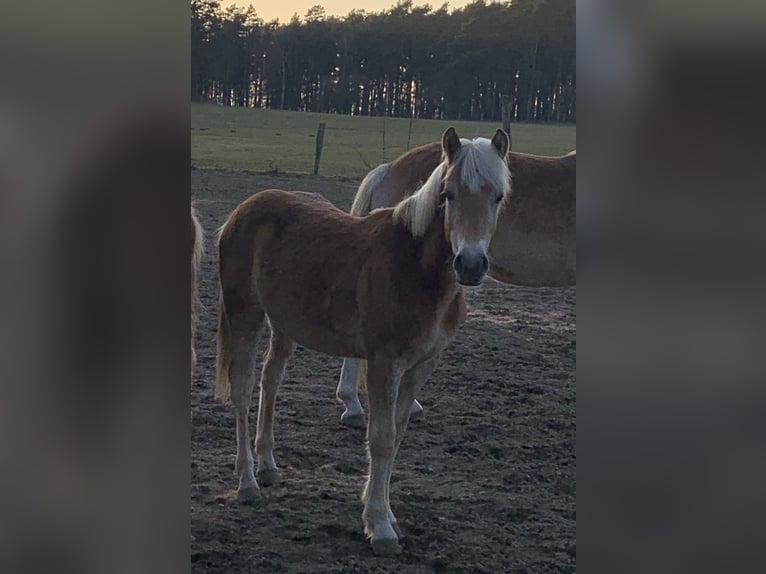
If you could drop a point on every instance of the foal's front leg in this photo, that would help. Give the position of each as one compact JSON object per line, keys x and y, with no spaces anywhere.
{"x":411,"y":382}
{"x":382,"y":388}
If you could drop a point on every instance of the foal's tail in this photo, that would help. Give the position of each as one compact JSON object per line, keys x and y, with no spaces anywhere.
{"x":224,"y":353}
{"x":240,"y":315}
{"x":363,"y":198}
{"x":225,"y":342}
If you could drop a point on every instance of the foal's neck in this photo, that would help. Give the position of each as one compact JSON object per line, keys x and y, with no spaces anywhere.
{"x":435,"y":252}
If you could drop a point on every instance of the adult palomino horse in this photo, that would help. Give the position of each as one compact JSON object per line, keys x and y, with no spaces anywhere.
{"x":197,"y":249}
{"x":385,"y":288}
{"x":535,"y":241}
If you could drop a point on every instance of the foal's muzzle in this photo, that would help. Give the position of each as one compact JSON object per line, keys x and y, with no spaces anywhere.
{"x":471,"y":268}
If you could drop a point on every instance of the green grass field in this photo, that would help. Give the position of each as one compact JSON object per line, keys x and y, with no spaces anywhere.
{"x":277,"y":141}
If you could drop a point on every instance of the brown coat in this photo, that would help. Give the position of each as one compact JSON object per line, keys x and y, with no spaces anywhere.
{"x":326,"y":298}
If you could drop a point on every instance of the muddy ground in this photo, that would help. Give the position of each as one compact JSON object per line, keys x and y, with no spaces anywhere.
{"x":485,"y":483}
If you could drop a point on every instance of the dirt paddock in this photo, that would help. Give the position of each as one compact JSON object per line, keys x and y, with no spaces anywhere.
{"x":484,"y":483}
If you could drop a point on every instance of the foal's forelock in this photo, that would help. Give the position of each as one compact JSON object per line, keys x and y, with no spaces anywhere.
{"x":480,"y":165}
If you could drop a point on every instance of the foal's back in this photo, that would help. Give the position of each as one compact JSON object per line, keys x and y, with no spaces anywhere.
{"x":333,"y":282}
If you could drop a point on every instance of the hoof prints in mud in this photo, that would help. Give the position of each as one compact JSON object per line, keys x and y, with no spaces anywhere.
{"x":485,"y":482}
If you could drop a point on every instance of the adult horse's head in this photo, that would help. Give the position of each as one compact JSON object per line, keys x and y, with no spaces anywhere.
{"x":474,"y":187}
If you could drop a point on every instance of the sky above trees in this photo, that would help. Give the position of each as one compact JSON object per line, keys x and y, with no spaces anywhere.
{"x":283,"y":11}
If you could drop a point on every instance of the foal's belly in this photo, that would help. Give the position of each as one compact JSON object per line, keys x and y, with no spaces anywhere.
{"x":324,"y":342}
{"x":323,"y":320}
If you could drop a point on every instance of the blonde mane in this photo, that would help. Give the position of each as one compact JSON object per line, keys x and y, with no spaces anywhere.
{"x":479,"y":165}
{"x":418,"y":210}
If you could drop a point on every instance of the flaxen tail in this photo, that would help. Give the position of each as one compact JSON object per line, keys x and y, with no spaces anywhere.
{"x":240,"y":315}
{"x":363,"y":198}
{"x":224,"y":353}
{"x":225,"y":341}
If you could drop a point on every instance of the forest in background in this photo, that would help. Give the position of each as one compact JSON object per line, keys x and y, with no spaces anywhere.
{"x":470,"y":63}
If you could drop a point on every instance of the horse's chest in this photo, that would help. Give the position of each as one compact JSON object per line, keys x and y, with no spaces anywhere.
{"x":449,"y":319}
{"x":420,"y":329}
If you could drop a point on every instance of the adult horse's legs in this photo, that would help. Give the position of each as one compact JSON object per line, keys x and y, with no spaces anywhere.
{"x":348,"y":394}
{"x":280,"y":349}
{"x":242,"y":377}
{"x":412,"y":381}
{"x":382,"y":388}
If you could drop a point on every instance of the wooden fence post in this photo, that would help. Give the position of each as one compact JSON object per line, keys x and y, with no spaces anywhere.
{"x":320,"y":142}
{"x":409,"y":131}
{"x":384,"y":135}
{"x":505,"y":103}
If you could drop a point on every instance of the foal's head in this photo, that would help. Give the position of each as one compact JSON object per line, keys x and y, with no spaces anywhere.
{"x":474,"y":186}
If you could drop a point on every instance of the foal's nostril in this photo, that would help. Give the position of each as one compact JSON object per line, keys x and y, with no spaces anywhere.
{"x":484,"y":264}
{"x":475,"y":266}
{"x":459,"y":263}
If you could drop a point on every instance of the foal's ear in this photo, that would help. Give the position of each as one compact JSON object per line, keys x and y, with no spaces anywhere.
{"x":450,"y":143}
{"x":501,"y":143}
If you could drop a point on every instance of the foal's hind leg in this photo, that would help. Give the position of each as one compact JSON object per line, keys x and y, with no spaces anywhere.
{"x":242,"y":377}
{"x":280,"y":349}
{"x":348,"y":393}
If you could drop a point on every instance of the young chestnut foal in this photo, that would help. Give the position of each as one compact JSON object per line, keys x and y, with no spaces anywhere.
{"x":385,"y":288}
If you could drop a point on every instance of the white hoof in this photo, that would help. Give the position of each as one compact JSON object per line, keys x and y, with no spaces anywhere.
{"x":395,"y":526}
{"x":249,"y":494}
{"x":267,"y":476}
{"x":386,"y":547}
{"x":384,"y":540}
{"x":356,"y":421}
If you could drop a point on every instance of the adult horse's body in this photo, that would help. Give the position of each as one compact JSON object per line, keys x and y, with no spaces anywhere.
{"x":384,"y":288}
{"x":534,"y":244}
{"x":197,"y":248}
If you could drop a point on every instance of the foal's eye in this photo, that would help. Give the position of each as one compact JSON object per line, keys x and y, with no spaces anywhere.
{"x":449,"y":194}
{"x":498,"y":199}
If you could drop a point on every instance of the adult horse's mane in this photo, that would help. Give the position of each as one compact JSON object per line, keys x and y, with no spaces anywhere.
{"x":479,"y":165}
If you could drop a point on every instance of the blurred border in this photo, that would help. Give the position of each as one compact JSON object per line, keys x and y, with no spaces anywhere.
{"x":671,"y":399}
{"x":94,"y":207}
